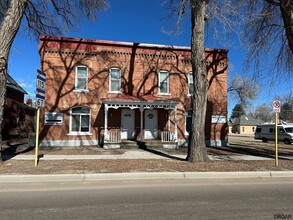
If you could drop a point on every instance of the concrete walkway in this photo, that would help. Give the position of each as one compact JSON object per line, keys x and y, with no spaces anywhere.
{"x":136,"y":154}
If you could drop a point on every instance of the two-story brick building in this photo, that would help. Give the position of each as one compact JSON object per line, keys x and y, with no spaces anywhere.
{"x":104,"y":92}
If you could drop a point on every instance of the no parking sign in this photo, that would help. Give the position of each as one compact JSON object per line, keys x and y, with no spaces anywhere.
{"x":277,"y":109}
{"x":277,"y":106}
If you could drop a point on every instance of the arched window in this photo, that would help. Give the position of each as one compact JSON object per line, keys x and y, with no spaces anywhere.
{"x":80,"y":120}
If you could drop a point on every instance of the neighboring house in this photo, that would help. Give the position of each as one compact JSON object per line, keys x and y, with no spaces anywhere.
{"x":104,"y":92}
{"x":230,"y":125}
{"x":245,"y":124}
{"x":18,"y":120}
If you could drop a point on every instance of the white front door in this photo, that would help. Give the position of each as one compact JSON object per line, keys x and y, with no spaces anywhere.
{"x":151,"y":124}
{"x":127,"y":124}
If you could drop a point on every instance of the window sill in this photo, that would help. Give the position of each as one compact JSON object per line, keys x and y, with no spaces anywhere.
{"x":114,"y":92}
{"x":80,"y":90}
{"x":164,"y":94}
{"x":79,"y":134}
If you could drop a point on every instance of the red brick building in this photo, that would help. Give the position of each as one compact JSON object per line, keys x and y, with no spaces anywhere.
{"x":102,"y":92}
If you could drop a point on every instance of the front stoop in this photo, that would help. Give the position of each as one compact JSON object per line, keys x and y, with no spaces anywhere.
{"x":160,"y":144}
{"x":108,"y":146}
{"x":131,"y":144}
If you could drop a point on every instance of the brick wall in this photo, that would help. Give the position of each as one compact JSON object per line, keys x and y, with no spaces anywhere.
{"x":139,"y":66}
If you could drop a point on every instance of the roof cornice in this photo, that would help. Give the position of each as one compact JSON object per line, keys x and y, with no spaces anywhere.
{"x":123,"y":44}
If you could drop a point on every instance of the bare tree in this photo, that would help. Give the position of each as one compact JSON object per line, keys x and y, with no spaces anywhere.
{"x":269,"y":36}
{"x":197,"y":150}
{"x":220,"y":15}
{"x":49,"y":17}
{"x":243,"y":89}
{"x":264,"y":112}
{"x":286,"y":113}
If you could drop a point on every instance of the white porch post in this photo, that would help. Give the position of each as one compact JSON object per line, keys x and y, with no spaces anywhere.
{"x":106,"y":134}
{"x":169,"y":122}
{"x":175,"y":124}
{"x":141,"y":123}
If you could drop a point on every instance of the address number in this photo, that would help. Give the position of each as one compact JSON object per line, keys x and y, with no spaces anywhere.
{"x":41,"y":84}
{"x":40,"y":102}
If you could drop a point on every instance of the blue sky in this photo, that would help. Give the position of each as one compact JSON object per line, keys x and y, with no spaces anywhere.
{"x":133,"y":21}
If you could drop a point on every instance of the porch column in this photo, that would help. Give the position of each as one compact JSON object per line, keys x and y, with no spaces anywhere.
{"x":106,"y":134}
{"x":169,"y":122}
{"x":175,"y":124}
{"x":141,"y":122}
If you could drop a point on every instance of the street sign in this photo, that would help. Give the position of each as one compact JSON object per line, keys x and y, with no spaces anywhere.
{"x":277,"y":109}
{"x":277,"y":106}
{"x":41,"y":89}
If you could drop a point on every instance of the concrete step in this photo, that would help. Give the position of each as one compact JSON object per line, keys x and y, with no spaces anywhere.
{"x":128,"y":144}
{"x":156,"y":144}
{"x":153,"y":143}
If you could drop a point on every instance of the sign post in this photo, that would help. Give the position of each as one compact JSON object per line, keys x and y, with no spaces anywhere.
{"x":277,"y":109}
{"x":40,"y":102}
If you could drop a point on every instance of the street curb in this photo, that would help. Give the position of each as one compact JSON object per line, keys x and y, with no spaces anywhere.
{"x":141,"y":176}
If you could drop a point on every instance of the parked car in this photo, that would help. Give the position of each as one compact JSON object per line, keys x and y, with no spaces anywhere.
{"x":266,"y":132}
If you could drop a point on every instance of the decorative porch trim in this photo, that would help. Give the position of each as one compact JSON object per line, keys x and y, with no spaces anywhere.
{"x":141,"y":105}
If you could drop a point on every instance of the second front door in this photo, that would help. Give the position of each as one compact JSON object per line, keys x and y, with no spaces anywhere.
{"x":127,"y":124}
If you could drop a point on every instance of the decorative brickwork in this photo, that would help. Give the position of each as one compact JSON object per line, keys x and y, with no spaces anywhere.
{"x":134,"y":84}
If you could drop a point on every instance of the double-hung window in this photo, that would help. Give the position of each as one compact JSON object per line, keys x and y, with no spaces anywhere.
{"x":115,"y":80}
{"x":164,"y":82}
{"x":190,"y":83}
{"x":81,"y":78}
{"x":80,"y":120}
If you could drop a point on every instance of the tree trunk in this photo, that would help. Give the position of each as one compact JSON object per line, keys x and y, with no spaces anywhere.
{"x":286,"y":8}
{"x":8,"y":29}
{"x":197,"y":149}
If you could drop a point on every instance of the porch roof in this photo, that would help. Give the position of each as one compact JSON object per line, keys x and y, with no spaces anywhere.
{"x":145,"y":101}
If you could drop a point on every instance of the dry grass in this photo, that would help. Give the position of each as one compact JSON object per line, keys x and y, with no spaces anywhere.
{"x":241,"y":146}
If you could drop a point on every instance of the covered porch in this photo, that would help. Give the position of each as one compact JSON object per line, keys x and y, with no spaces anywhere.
{"x":141,"y":121}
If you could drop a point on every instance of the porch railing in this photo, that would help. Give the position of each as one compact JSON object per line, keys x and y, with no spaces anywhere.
{"x":167,"y":136}
{"x":114,"y":137}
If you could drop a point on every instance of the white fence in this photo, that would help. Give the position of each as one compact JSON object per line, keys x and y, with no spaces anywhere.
{"x":114,"y":137}
{"x":167,"y":136}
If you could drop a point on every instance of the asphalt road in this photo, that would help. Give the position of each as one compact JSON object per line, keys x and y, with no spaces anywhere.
{"x":197,"y":199}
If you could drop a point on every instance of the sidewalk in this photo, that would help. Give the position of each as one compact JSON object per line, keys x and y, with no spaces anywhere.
{"x":136,"y":155}
{"x":135,"y":159}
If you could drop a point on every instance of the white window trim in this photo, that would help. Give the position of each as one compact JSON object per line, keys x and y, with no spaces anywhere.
{"x":75,"y":84}
{"x":168,"y":83}
{"x":109,"y":91}
{"x":79,"y":133}
{"x":188,"y":78}
{"x":81,"y":90}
